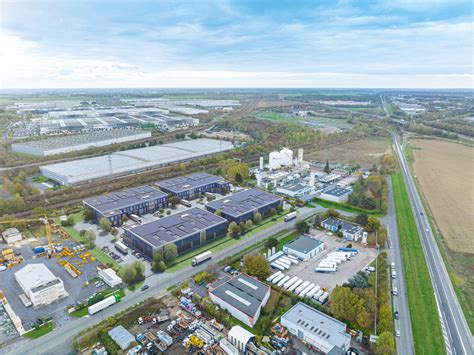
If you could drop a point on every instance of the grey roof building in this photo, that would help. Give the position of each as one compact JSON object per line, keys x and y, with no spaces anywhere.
{"x":191,"y":186}
{"x":321,"y":331}
{"x":122,"y":337}
{"x":349,"y":230}
{"x":303,"y":247}
{"x":243,"y":296}
{"x":243,"y":205}
{"x":187,"y":229}
{"x":336,"y":194}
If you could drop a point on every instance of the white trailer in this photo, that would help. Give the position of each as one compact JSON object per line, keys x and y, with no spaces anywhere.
{"x":327,"y":264}
{"x":290,"y":282}
{"x":283,"y":280}
{"x":292,"y":257}
{"x":278,"y":278}
{"x":295,"y":285}
{"x":306,"y":290}
{"x":325,"y":269}
{"x":99,"y":306}
{"x":198,"y":259}
{"x":337,"y":261}
{"x":313,"y":291}
{"x":318,"y":294}
{"x":283,"y":261}
{"x":324,"y":297}
{"x":291,"y":261}
{"x":337,"y":256}
{"x":301,"y":287}
{"x":272,"y":276}
{"x":276,"y":266}
{"x":284,"y":266}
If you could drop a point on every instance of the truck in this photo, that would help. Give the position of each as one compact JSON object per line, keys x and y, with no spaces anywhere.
{"x":106,"y":302}
{"x":306,"y":290}
{"x":311,"y":293}
{"x":122,"y":248}
{"x":283,"y":280}
{"x":290,"y":216}
{"x":324,"y":297}
{"x":325,"y":269}
{"x":278,"y":267}
{"x":318,"y":294}
{"x":164,"y":337}
{"x":301,"y":287}
{"x":290,"y":282}
{"x":278,"y":278}
{"x":295,"y":285}
{"x":199,"y":259}
{"x":135,"y":218}
{"x":272,"y":276}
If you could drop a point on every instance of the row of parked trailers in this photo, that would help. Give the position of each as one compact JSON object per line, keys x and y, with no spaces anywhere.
{"x":284,"y":262}
{"x":331,"y":262}
{"x":298,"y":286}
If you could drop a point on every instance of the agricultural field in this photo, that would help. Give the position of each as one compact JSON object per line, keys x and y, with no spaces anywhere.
{"x":450,"y":202}
{"x":365,"y":152}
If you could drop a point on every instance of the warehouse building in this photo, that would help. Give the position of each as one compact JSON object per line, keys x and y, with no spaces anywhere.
{"x":138,"y":200}
{"x":337,"y":194}
{"x":132,"y":161}
{"x":242,"y":296}
{"x":122,"y":337}
{"x":243,"y":205}
{"x":297,"y":189}
{"x":187,"y":230}
{"x":191,"y":186}
{"x":74,"y":143}
{"x":40,"y":285}
{"x":317,"y":329}
{"x":350,"y":231}
{"x":110,"y":277}
{"x":303,"y":247}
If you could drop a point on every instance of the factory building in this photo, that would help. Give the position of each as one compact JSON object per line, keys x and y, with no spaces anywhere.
{"x":40,"y":285}
{"x":297,"y":189}
{"x":242,"y":296}
{"x":138,"y":200}
{"x":336,"y":194}
{"x":191,"y":186}
{"x":187,"y":230}
{"x":243,"y":205}
{"x":132,"y":161}
{"x":74,"y":143}
{"x":324,"y":333}
{"x":303,"y":247}
{"x":350,"y":231}
{"x":110,"y":277}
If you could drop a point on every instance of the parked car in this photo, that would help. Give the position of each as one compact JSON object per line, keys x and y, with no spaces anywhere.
{"x":145,"y":287}
{"x":397,"y":334}
{"x":397,"y":315}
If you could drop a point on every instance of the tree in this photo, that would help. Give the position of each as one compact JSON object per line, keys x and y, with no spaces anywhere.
{"x":257,"y":218}
{"x":271,"y":242}
{"x":248,"y":224}
{"x":361,"y":219}
{"x":327,"y":169}
{"x":385,"y":344}
{"x":273,"y":212}
{"x":88,"y":214}
{"x":346,"y":304}
{"x":70,"y":220}
{"x":373,"y":224}
{"x":218,"y":213}
{"x":331,"y":212}
{"x":302,"y":227}
{"x":89,"y":238}
{"x":238,"y":178}
{"x":242,"y":227}
{"x":38,"y":212}
{"x":170,"y":252}
{"x":256,"y":265}
{"x":234,"y":229}
{"x":133,"y":273}
{"x":158,"y":265}
{"x":173,"y":200}
{"x":105,"y":224}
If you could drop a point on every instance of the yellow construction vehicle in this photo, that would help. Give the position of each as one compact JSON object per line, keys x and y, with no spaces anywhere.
{"x":195,"y":341}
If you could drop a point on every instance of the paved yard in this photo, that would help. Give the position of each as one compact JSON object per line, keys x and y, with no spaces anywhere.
{"x":305,"y":270}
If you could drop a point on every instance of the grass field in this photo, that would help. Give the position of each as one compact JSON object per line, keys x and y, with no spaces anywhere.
{"x":426,"y":327}
{"x":346,"y":207}
{"x":36,"y":333}
{"x":365,"y":152}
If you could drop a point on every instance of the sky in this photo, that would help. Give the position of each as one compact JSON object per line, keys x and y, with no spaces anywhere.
{"x":241,"y":44}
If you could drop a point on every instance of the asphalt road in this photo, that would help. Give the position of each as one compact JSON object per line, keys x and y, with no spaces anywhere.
{"x":457,"y":336}
{"x":405,"y":345}
{"x":59,"y":340}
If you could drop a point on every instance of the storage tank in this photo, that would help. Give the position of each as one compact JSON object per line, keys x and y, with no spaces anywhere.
{"x":274,"y":161}
{"x":286,"y":157}
{"x":300,"y":156}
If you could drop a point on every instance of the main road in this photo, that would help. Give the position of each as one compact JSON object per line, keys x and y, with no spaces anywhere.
{"x":58,"y":342}
{"x":457,"y":335}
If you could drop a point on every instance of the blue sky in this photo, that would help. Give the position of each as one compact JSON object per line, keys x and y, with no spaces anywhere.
{"x":385,"y":43}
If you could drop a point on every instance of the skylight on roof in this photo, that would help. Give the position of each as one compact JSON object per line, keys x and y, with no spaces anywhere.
{"x":237,"y":297}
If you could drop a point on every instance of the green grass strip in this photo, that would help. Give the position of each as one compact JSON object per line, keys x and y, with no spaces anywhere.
{"x":36,"y":333}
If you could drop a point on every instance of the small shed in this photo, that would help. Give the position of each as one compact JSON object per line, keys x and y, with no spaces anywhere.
{"x":122,"y":337}
{"x":11,"y":235}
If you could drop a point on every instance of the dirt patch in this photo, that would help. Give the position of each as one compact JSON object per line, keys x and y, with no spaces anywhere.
{"x":445,"y":172}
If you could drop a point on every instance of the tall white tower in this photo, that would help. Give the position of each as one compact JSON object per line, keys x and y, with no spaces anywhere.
{"x":261,"y":163}
{"x":300,"y":156}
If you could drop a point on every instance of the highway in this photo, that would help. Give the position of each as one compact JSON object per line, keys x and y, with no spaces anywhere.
{"x":59,"y":340}
{"x":457,"y":336}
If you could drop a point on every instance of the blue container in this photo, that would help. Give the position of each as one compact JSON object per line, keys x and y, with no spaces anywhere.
{"x":39,"y":250}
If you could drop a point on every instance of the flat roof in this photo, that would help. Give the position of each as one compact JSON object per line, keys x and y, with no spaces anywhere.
{"x":176,"y":226}
{"x":130,"y":161}
{"x":110,"y":204}
{"x":244,"y":202}
{"x":192,"y":181}
{"x":345,"y":225}
{"x":295,"y":186}
{"x":318,"y":323}
{"x":304,"y":244}
{"x":242,"y":292}
{"x":121,"y":336}
{"x":35,"y":276}
{"x":337,"y":191}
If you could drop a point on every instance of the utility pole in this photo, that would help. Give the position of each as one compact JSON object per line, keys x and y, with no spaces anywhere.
{"x":376,"y":281}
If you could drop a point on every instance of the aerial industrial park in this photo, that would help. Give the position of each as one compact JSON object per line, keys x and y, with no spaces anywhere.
{"x":236,"y":178}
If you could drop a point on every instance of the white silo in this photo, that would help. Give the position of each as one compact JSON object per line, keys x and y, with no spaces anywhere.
{"x":300,"y":156}
{"x":364,"y":238}
{"x":261,"y":163}
{"x":286,"y":157}
{"x":312,"y":178}
{"x":274,"y":161}
{"x":258,"y":176}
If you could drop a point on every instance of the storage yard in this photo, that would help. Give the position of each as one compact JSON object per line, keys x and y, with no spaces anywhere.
{"x":73,"y":143}
{"x":132,"y":161}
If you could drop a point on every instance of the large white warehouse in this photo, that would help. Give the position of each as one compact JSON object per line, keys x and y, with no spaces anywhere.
{"x":40,"y":285}
{"x":132,"y":161}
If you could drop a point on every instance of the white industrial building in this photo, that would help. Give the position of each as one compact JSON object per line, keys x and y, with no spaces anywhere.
{"x":303,"y":247}
{"x":11,"y":235}
{"x":40,"y":285}
{"x":297,"y":189}
{"x":240,"y":338}
{"x":73,"y":143}
{"x":317,"y":329}
{"x":337,"y":194}
{"x":110,"y":277}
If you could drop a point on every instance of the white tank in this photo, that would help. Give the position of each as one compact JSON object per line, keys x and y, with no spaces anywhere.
{"x":286,"y":157}
{"x":300,"y":156}
{"x":274,"y":161}
{"x":261,"y":163}
{"x":364,"y":237}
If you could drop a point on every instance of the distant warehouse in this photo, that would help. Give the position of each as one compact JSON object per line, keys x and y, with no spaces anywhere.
{"x":138,"y":200}
{"x":244,"y":205}
{"x":132,"y":161}
{"x":191,"y":186}
{"x":188,"y":230}
{"x":78,"y":142}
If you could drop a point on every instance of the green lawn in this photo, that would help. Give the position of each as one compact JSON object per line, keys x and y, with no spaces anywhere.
{"x":346,"y":207}
{"x":425,"y":322}
{"x":36,"y":333}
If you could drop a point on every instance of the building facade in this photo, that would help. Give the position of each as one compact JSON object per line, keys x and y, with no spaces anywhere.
{"x":303,"y":247}
{"x":11,"y":235}
{"x":337,"y":194}
{"x":350,"y":231}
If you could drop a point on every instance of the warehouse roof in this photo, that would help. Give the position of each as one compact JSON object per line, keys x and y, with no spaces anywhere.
{"x":318,"y":323}
{"x":337,"y":191}
{"x":345,"y":225}
{"x":304,"y":244}
{"x":244,"y":202}
{"x":177,"y":226}
{"x":111,"y":203}
{"x":242,"y":292}
{"x":35,"y":276}
{"x":121,"y":336}
{"x":192,"y":181}
{"x":131,"y":161}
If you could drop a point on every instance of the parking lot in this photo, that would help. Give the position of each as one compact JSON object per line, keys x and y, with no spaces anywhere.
{"x":305,"y":269}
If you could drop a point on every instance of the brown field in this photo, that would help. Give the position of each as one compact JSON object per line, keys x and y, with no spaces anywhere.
{"x":365,"y":152}
{"x":446,"y":174}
